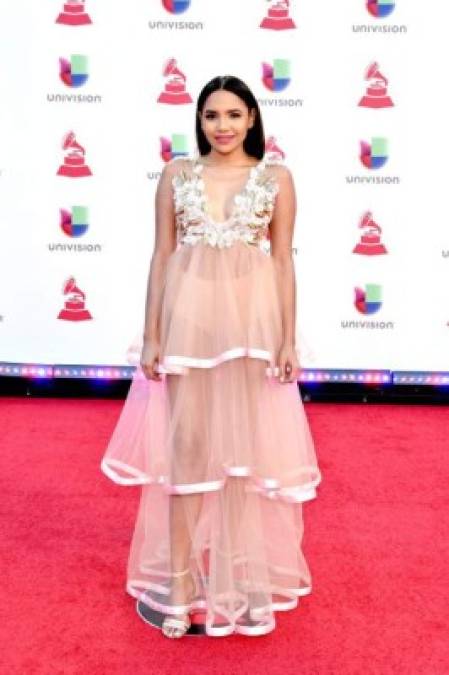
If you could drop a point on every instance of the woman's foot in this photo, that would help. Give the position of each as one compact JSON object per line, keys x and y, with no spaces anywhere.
{"x":182,"y":593}
{"x":175,"y":626}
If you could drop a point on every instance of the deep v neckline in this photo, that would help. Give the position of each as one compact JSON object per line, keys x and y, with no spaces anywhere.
{"x":206,"y":201}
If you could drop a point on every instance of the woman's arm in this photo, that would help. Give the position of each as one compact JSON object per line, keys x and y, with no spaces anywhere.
{"x":281,"y":238}
{"x":164,"y":244}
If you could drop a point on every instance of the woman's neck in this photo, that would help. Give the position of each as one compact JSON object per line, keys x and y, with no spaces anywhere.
{"x":237,"y":159}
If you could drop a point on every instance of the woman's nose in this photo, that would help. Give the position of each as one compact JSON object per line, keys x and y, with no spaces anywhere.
{"x":222,"y":124}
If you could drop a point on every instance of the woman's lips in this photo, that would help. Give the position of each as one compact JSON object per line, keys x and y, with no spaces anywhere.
{"x":224,"y":139}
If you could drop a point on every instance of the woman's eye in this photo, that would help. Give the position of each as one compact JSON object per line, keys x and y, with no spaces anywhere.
{"x":210,"y":116}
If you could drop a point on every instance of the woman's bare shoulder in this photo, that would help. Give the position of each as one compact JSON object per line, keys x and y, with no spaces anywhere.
{"x":278,"y":169}
{"x":276,"y":163}
{"x":176,"y":165}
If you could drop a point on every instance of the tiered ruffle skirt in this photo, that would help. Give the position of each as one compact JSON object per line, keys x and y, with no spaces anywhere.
{"x":221,"y":448}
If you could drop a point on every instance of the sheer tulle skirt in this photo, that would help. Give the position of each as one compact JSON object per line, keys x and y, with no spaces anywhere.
{"x":219,"y":304}
{"x":222,"y":449}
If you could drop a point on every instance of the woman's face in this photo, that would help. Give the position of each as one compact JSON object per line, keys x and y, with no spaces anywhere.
{"x":225,"y":121}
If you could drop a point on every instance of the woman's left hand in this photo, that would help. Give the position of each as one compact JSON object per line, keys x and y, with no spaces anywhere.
{"x":288,"y":364}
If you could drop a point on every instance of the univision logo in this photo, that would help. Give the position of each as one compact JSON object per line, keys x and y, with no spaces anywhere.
{"x":175,"y":146}
{"x":369,"y":299}
{"x":176,"y":6}
{"x":74,"y":72}
{"x":276,"y":76}
{"x":380,"y":8}
{"x":374,"y":156}
{"x":74,"y":223}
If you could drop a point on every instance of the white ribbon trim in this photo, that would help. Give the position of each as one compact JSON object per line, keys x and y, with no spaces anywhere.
{"x":268,"y":487}
{"x":180,"y":364}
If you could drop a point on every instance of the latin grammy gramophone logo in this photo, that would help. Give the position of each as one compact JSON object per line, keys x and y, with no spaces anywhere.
{"x":276,"y":76}
{"x":380,"y":8}
{"x":74,"y":14}
{"x":278,"y":16}
{"x":374,"y":155}
{"x":74,"y":306}
{"x":174,"y":92}
{"x":175,"y":146}
{"x":272,"y":148}
{"x":370,"y":240}
{"x":74,"y":165}
{"x":176,"y":6}
{"x":376,"y":95}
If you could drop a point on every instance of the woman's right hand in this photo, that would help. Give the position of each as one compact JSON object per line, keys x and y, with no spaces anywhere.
{"x":149,"y":360}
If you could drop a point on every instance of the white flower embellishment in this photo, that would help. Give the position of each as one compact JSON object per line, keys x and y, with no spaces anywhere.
{"x":251,"y":209}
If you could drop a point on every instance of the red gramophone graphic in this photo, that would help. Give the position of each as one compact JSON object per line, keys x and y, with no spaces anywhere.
{"x":376,"y":93}
{"x":272,"y":147}
{"x":74,"y":14}
{"x":369,"y":243}
{"x":175,"y":87}
{"x":278,"y":16}
{"x":74,"y":166}
{"x":74,"y":309}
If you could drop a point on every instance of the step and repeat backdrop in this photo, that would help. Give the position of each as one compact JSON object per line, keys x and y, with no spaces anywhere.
{"x":96,"y":96}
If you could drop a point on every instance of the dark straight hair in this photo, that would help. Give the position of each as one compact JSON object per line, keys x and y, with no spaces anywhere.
{"x":254,"y":143}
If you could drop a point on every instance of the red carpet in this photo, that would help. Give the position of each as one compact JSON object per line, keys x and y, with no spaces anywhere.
{"x":376,"y":541}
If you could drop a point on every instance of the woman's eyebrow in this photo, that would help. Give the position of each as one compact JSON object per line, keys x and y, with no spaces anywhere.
{"x":230,"y":110}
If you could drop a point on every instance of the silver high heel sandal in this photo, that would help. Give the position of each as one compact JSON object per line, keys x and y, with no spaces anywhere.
{"x":175,"y":626}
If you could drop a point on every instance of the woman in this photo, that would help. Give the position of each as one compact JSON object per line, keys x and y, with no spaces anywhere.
{"x":213,"y":427}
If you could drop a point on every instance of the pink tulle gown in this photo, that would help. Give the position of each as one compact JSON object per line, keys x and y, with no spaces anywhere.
{"x":221,"y":448}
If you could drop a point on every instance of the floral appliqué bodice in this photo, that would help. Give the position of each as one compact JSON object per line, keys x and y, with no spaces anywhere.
{"x":251,"y":211}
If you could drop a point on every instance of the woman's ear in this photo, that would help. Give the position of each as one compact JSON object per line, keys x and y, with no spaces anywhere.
{"x":253,"y":116}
